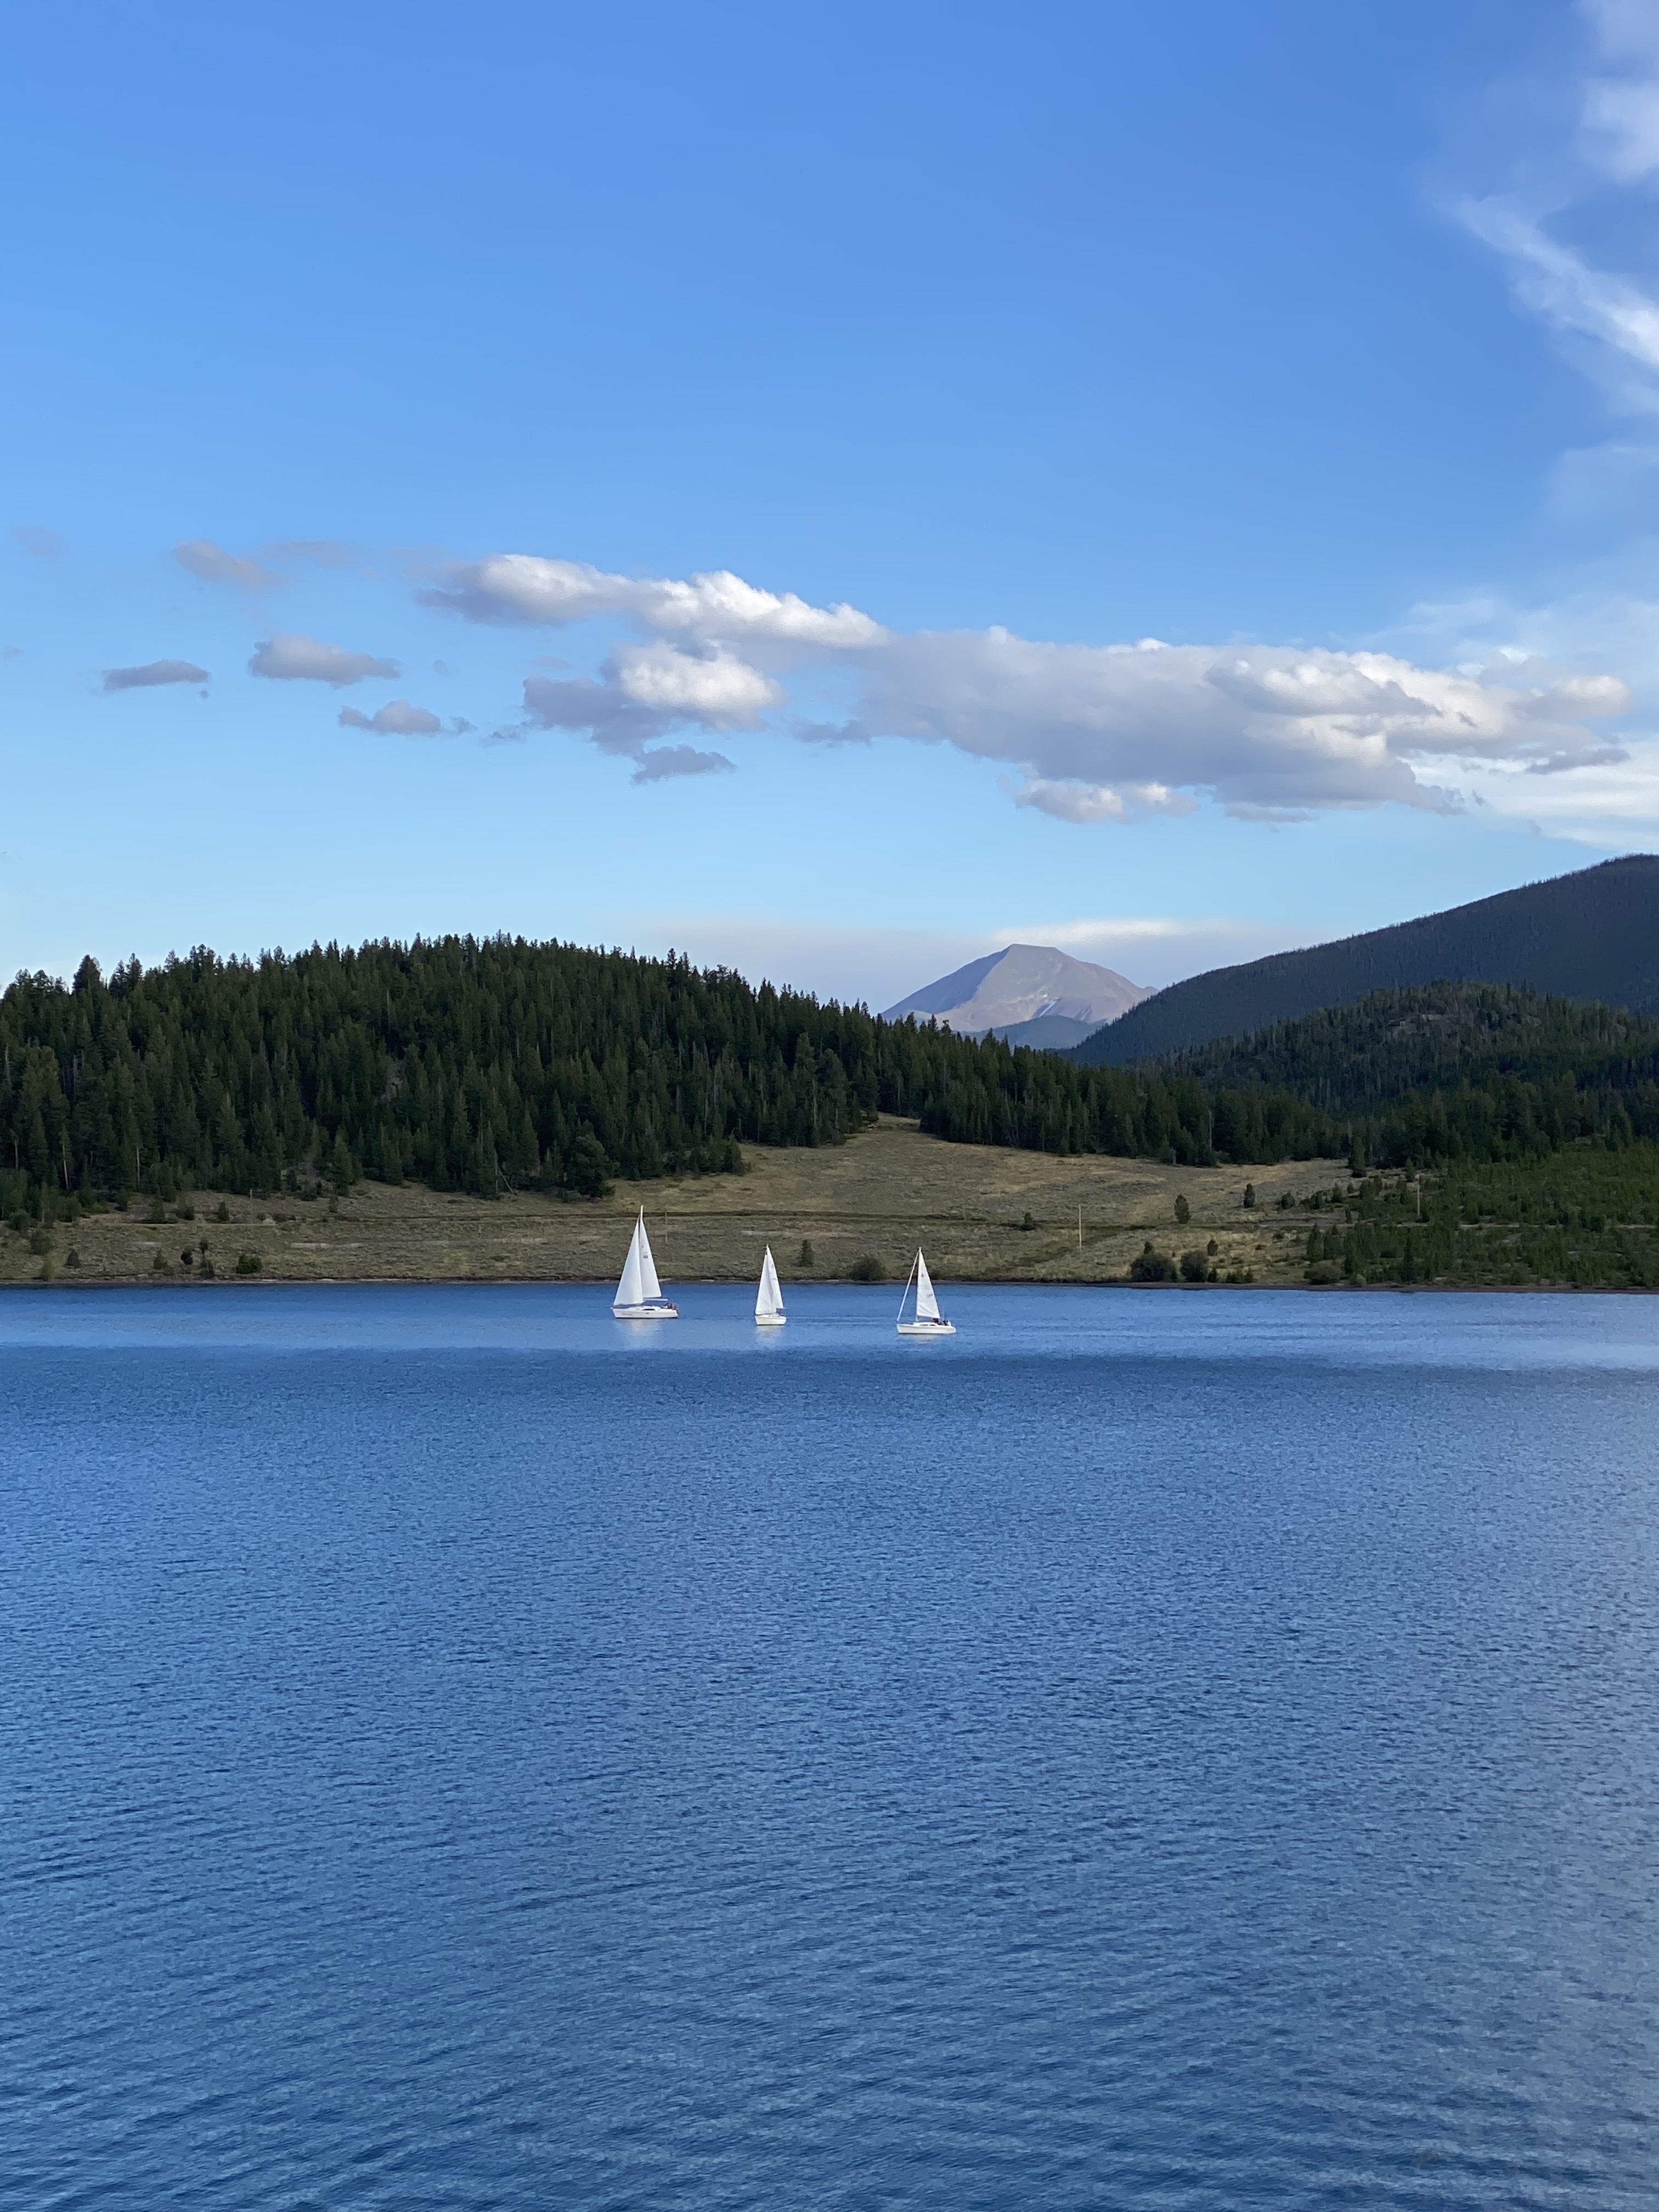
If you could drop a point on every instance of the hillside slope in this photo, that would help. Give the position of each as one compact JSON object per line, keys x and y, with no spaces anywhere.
{"x":1592,"y":935}
{"x":1431,"y":1037}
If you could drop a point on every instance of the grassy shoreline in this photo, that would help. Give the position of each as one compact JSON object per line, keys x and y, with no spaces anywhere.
{"x":984,"y":1213}
{"x":878,"y":1196}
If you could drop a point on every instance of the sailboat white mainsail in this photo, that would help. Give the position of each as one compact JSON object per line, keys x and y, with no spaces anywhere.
{"x":648,"y":1282}
{"x":639,"y":1294}
{"x":769,"y":1298}
{"x":927,"y":1319}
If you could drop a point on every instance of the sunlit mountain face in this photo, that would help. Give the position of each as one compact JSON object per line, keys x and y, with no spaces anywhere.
{"x":1030,"y":993}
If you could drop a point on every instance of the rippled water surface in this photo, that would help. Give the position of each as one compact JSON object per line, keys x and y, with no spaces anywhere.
{"x":1169,"y":1749}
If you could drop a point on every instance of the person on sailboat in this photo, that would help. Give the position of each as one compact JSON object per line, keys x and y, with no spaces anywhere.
{"x":927,"y":1320}
{"x":639,"y":1294}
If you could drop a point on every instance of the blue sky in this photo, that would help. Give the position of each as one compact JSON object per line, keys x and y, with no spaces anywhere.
{"x":1192,"y":474}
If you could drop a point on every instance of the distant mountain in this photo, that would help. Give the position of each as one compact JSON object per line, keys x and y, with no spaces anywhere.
{"x":1592,"y":935}
{"x":1029,"y":994}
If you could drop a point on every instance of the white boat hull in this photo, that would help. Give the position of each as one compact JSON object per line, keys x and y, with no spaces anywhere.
{"x":660,"y":1312}
{"x":770,"y":1320}
{"x":927,"y":1329}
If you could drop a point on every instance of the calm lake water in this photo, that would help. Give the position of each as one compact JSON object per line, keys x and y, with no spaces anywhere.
{"x":1191,"y":1750}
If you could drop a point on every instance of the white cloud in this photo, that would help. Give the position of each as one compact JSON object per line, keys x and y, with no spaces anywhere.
{"x":1099,"y":802}
{"x":1616,"y":144}
{"x":1559,"y":284}
{"x":398,"y":718}
{"x":1113,"y":733}
{"x":1098,"y":733}
{"x":644,"y":691}
{"x":291,"y":658}
{"x":215,"y":566}
{"x":1621,"y":114}
{"x":1613,"y":806}
{"x":1621,"y":122}
{"x":714,"y":688}
{"x":521,"y":587}
{"x":152,"y":672}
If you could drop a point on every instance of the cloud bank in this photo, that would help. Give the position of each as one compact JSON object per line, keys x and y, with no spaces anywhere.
{"x":152,"y":672}
{"x":288,"y":657}
{"x":1097,"y":734}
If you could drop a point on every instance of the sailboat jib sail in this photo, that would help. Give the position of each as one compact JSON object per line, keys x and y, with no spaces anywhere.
{"x":927,"y":1320}
{"x":769,"y":1298}
{"x":639,"y":1294}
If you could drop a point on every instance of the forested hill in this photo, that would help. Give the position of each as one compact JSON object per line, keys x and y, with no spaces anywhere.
{"x":1448,"y":1070}
{"x":1438,"y":1037}
{"x":467,"y":1065}
{"x":499,"y":1065}
{"x":1592,"y":935}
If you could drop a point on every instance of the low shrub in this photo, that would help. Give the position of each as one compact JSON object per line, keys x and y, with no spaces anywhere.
{"x":1150,"y":1266}
{"x":867,"y":1268}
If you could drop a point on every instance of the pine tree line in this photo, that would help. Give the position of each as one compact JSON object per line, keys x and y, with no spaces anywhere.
{"x":1586,"y":1217}
{"x":492,"y":1065}
{"x":467,"y":1065}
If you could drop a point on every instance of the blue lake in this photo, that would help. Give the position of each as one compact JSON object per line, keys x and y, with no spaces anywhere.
{"x":1191,"y":1750}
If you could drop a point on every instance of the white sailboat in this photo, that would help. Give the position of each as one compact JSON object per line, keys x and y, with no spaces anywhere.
{"x":927,"y":1319}
{"x":639,"y":1294}
{"x":769,"y":1298}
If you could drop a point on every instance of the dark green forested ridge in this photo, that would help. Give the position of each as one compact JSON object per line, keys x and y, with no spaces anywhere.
{"x":468,"y":1065}
{"x":1435,"y":1036}
{"x":1443,"y":1072}
{"x":484,"y":1066}
{"x":1405,"y":1078}
{"x":1590,"y":935}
